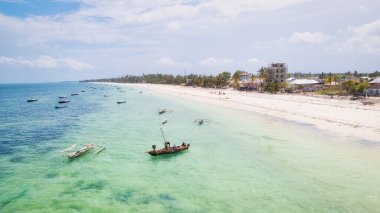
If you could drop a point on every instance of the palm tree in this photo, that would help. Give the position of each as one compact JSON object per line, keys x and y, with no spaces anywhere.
{"x":236,"y":78}
{"x":263,"y":75}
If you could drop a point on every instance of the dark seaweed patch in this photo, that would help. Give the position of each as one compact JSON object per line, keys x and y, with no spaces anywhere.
{"x":16,"y":159}
{"x":51,"y":175}
{"x":75,"y":207}
{"x":123,"y":196}
{"x":146,"y":200}
{"x":166,"y":197}
{"x":97,"y":185}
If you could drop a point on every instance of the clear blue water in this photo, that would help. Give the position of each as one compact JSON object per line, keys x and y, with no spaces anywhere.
{"x":239,"y":162}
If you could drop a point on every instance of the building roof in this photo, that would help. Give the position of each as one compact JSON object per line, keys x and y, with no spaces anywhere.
{"x":244,"y":73}
{"x":291,"y":79}
{"x":303,"y":81}
{"x":375,"y":81}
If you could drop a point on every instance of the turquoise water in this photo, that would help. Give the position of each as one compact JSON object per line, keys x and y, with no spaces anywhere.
{"x":239,"y":162}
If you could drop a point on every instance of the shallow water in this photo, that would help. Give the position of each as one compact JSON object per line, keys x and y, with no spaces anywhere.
{"x":238,"y":162}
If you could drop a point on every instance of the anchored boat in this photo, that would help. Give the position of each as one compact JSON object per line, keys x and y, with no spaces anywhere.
{"x":168,"y":149}
{"x":31,"y":100}
{"x":81,"y":151}
{"x":162,"y":111}
{"x":201,"y":121}
{"x":60,"y":107}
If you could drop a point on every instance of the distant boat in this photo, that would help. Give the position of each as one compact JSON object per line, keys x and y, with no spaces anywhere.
{"x":73,"y":94}
{"x":81,"y":151}
{"x":162,"y":111}
{"x":60,"y":107}
{"x":63,"y":101}
{"x":32,"y":100}
{"x":121,"y":102}
{"x":83,"y":91}
{"x":164,"y":121}
{"x":201,"y":121}
{"x":62,"y":97}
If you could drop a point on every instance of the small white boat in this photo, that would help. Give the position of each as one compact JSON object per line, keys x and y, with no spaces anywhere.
{"x":164,"y":121}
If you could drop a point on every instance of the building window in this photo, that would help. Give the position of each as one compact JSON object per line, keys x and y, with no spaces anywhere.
{"x":276,"y":76}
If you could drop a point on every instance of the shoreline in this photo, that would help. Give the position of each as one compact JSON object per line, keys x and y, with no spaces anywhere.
{"x":340,"y":117}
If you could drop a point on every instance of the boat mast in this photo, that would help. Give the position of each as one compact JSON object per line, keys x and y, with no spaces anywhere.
{"x":163,"y":134}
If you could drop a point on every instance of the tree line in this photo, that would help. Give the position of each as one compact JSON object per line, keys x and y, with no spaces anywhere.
{"x":225,"y":79}
{"x":219,"y":81}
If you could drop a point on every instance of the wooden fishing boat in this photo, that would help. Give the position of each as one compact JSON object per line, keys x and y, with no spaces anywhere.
{"x":168,"y":149}
{"x":161,"y":111}
{"x":201,"y":121}
{"x":32,"y":100}
{"x":121,"y":102}
{"x":60,"y":107}
{"x":81,"y":151}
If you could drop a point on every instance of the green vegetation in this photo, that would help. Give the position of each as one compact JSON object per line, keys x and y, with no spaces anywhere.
{"x":334,"y":83}
{"x":221,"y":80}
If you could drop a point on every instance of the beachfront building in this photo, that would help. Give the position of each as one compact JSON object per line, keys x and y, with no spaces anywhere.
{"x":277,"y":72}
{"x":374,"y":87}
{"x":306,"y":85}
{"x":244,"y":77}
{"x":246,"y":82}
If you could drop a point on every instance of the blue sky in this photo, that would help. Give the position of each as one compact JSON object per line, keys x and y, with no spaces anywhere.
{"x":80,"y":39}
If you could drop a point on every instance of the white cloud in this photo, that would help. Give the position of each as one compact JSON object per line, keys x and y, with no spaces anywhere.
{"x":255,"y":61}
{"x":167,"y":62}
{"x":308,"y":37}
{"x":229,"y":8}
{"x":365,"y":38}
{"x":211,"y":61}
{"x":46,"y":63}
{"x":123,"y":22}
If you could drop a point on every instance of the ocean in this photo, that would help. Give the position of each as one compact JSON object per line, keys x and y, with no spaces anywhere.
{"x":237,"y":162}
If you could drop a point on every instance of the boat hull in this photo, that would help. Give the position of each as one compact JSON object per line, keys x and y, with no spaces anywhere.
{"x":170,"y":150}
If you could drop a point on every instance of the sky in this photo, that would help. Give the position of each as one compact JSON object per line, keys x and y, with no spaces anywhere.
{"x":62,"y":40}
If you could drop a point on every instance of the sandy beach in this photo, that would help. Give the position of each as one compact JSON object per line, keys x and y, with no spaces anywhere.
{"x":336,"y":116}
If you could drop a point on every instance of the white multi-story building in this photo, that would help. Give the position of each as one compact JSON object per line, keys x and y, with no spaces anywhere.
{"x":277,"y":72}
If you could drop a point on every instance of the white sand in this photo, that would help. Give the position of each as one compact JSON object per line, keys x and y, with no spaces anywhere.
{"x":338,"y":117}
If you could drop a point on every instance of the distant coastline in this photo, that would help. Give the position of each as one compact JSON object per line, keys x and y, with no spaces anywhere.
{"x":341,"y":117}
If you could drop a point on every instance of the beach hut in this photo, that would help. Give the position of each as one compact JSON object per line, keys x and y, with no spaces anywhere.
{"x":374,"y":87}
